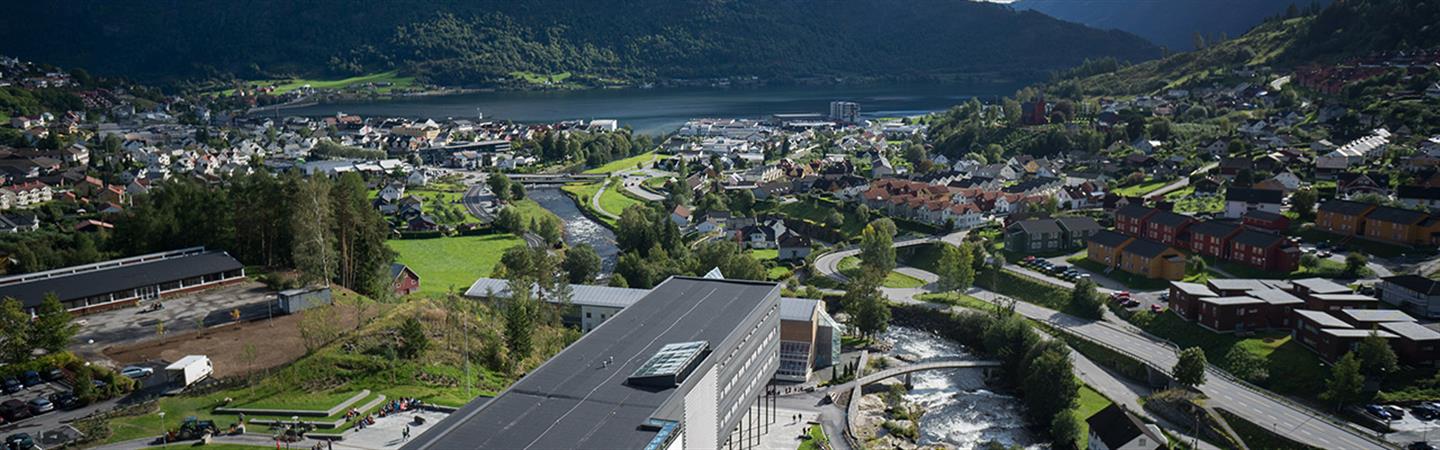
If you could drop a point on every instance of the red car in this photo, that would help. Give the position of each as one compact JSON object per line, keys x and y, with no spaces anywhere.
{"x":1120,"y":295}
{"x":1157,"y":308}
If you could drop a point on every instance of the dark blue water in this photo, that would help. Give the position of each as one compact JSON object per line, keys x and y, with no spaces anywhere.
{"x":661,"y":110}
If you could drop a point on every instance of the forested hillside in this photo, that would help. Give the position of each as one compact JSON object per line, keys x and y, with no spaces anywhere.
{"x":1347,"y":28}
{"x":487,"y":42}
{"x":1174,"y":24}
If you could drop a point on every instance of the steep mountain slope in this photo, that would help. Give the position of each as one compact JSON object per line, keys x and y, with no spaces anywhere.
{"x":1169,"y":23}
{"x":484,"y":42}
{"x":1344,"y":29}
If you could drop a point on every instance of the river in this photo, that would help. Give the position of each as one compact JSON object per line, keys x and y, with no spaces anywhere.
{"x":662,"y":110}
{"x":579,"y":229}
{"x":960,"y":409}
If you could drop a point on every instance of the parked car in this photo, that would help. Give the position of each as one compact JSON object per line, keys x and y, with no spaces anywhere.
{"x":14,"y":410}
{"x":1165,"y":296}
{"x":39,"y":405}
{"x":31,"y":378}
{"x":1157,"y":308}
{"x":1377,"y":411}
{"x":13,"y":385}
{"x":19,"y":441}
{"x":1120,"y":295}
{"x":1424,"y":412}
{"x":66,"y":400}
{"x":137,"y":372}
{"x":1421,"y":445}
{"x":1396,"y":412}
{"x":54,"y":374}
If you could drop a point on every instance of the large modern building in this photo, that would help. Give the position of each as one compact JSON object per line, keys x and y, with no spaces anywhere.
{"x":123,"y":282}
{"x":809,"y":336}
{"x":683,"y":367}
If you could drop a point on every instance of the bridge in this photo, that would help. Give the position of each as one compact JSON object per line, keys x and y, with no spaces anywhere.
{"x":855,"y":387}
{"x":918,"y":367}
{"x":559,"y":178}
{"x":829,"y":264}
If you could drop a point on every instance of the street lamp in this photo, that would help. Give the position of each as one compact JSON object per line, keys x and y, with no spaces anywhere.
{"x":164,"y":437}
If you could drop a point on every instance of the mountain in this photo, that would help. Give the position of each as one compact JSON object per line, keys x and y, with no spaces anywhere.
{"x":1345,"y":29}
{"x":490,"y":42}
{"x":1169,"y":23}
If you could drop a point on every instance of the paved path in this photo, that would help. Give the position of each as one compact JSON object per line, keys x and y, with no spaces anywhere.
{"x":595,"y":202}
{"x":635,"y":186}
{"x":829,"y":263}
{"x":1180,"y":183}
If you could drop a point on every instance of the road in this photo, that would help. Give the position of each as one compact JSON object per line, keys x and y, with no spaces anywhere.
{"x":1180,"y":183}
{"x":1286,"y":417}
{"x":477,"y":194}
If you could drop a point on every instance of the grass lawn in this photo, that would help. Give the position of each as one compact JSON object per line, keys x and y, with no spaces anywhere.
{"x":925,"y":257}
{"x":850,"y":267}
{"x":1293,"y":369}
{"x":317,"y":401}
{"x":284,"y":86}
{"x":1187,"y":202}
{"x":615,"y":201}
{"x":816,"y":211}
{"x":1145,"y":187}
{"x":625,"y":164}
{"x":817,"y":441}
{"x":956,"y":299}
{"x":765,"y":253}
{"x":528,"y":210}
{"x":777,"y":273}
{"x":536,"y":78}
{"x":1091,"y":402}
{"x":452,"y":262}
{"x":611,"y":201}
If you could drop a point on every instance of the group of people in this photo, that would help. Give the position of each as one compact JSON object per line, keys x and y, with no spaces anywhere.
{"x":392,"y":407}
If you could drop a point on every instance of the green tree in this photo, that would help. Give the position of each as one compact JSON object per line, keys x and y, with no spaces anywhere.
{"x":1049,"y":382}
{"x":52,"y":328}
{"x":510,"y":219}
{"x":1189,"y":371}
{"x":14,"y":331}
{"x":413,"y":338}
{"x":1346,"y":382}
{"x":834,"y":220}
{"x":1377,"y":359}
{"x":581,"y":264}
{"x":517,"y":191}
{"x":314,"y":245}
{"x":1065,"y":431}
{"x":1355,"y":262}
{"x":1085,"y":298}
{"x":550,"y":230}
{"x":1246,"y":365}
{"x":519,"y":326}
{"x":1309,"y":261}
{"x":499,"y":185}
{"x":956,"y":270}
{"x":877,"y":247}
{"x":1302,"y":202}
{"x":866,"y":306}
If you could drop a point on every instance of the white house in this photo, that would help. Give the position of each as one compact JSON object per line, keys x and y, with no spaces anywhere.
{"x":1114,"y":429}
{"x":1239,"y":201}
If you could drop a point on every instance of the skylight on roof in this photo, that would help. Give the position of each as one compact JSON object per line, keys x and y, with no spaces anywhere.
{"x":669,"y":366}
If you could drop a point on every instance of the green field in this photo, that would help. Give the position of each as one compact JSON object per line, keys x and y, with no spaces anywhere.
{"x":283,"y":86}
{"x":850,"y":267}
{"x":625,"y":164}
{"x":765,"y":253}
{"x":817,"y":211}
{"x":541,"y":79}
{"x":1091,"y":402}
{"x":612,"y":201}
{"x":529,"y":210}
{"x":1142,"y":188}
{"x":452,"y":262}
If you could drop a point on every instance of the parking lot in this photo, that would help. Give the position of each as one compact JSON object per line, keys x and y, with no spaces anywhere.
{"x":1408,"y":427}
{"x":1054,"y":271}
{"x":179,"y":314}
{"x":38,"y":423}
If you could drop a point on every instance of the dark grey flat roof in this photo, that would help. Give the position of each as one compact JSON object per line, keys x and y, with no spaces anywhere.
{"x":104,"y":281}
{"x":574,"y":401}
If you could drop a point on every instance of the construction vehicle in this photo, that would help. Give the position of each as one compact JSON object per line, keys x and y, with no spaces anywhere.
{"x":193,"y":428}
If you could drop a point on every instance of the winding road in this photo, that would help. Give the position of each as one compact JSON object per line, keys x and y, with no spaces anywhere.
{"x":1256,"y":405}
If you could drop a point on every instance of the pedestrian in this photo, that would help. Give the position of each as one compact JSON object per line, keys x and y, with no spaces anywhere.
{"x":330,"y":444}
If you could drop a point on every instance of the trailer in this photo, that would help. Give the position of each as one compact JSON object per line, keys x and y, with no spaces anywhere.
{"x":295,"y":300}
{"x":189,"y":370}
